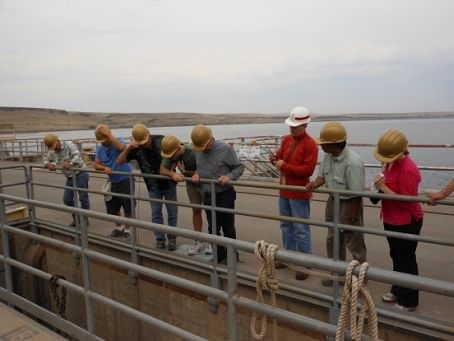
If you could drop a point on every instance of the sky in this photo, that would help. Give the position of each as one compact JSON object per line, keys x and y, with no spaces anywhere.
{"x":216,"y":56}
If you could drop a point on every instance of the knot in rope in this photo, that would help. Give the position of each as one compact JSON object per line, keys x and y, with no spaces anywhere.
{"x":356,"y":297}
{"x":265,"y":280}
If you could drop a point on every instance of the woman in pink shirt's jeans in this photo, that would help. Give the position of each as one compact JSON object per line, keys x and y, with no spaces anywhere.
{"x":401,"y":176}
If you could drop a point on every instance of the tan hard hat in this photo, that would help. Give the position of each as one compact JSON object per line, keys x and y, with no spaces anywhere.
{"x":332,"y":132}
{"x":140,"y":133}
{"x":100,"y":137}
{"x":50,"y":140}
{"x":201,"y":136}
{"x":169,"y":146}
{"x":390,"y":146}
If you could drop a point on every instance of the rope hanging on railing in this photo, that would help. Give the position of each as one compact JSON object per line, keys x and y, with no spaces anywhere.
{"x":355,"y":292}
{"x":60,"y":299}
{"x":265,"y":280}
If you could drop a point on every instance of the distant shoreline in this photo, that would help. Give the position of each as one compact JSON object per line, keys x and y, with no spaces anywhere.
{"x":29,"y":120}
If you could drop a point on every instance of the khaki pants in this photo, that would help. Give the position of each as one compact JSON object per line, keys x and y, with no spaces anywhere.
{"x":353,"y":240}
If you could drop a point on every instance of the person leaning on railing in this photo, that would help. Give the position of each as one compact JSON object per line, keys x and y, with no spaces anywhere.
{"x":341,"y":168}
{"x":400,"y":176}
{"x":441,"y":194}
{"x":66,"y":155}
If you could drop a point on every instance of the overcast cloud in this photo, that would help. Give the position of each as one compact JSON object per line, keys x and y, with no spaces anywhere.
{"x":228,"y":56}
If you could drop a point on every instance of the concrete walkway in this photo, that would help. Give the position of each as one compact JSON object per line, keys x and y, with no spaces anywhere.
{"x":434,"y":261}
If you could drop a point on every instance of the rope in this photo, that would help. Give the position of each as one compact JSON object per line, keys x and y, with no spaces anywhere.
{"x":60,"y":299}
{"x":355,"y":292}
{"x":265,"y":280}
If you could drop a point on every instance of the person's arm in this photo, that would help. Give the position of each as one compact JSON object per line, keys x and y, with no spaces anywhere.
{"x":442,"y":194}
{"x":319,"y":181}
{"x":236,"y":167}
{"x":163,"y":170}
{"x":49,"y":160}
{"x":123,"y":157}
{"x":75,"y":157}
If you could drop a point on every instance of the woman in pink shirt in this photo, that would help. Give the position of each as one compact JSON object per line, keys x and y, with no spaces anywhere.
{"x":401,"y":176}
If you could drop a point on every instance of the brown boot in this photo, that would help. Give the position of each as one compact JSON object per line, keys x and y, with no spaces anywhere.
{"x":301,"y":276}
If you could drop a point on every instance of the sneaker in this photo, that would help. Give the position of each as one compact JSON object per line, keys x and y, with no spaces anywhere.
{"x":127,"y":235}
{"x":172,"y":244}
{"x":160,"y":244}
{"x":389,"y":297}
{"x":402,"y":308}
{"x":208,"y":249}
{"x":195,"y":248}
{"x":117,"y":233}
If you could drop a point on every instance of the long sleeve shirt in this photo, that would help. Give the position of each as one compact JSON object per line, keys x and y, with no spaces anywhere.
{"x":68,"y":153}
{"x":220,"y":160}
{"x":300,"y":158}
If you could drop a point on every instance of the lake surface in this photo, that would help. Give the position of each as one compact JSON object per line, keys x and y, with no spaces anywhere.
{"x":418,"y":131}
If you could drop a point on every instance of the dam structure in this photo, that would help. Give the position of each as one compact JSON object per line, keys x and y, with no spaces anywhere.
{"x":77,"y":282}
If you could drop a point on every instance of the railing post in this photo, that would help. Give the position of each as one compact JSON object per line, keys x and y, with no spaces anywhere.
{"x":77,"y":217}
{"x":5,"y":243}
{"x":86,"y":274}
{"x":30,"y":195}
{"x":21,"y":155}
{"x":134,"y":240}
{"x":334,"y":310}
{"x":214,"y":277}
{"x":231,"y":290}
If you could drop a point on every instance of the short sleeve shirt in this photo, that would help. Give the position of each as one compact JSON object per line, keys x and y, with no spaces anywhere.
{"x":345,"y":171}
{"x":188,"y":159}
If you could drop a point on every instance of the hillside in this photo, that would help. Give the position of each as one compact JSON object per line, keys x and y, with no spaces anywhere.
{"x":37,"y":119}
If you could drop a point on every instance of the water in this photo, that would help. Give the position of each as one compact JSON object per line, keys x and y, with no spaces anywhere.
{"x":418,"y":131}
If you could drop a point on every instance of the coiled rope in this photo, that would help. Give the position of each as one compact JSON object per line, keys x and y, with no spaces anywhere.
{"x":355,"y":292}
{"x":265,"y":280}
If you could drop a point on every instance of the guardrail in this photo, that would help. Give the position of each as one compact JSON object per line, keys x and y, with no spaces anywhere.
{"x":230,"y":296}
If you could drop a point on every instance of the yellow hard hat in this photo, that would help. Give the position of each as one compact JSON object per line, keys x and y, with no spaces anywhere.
{"x":390,"y":146}
{"x":100,"y":138}
{"x":169,"y":146}
{"x":201,"y":136}
{"x":50,"y":140}
{"x":332,"y":132}
{"x":140,"y":133}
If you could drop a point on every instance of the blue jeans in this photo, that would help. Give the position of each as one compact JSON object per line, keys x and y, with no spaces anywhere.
{"x":295,"y":236}
{"x":68,"y":194}
{"x":156,"y":208}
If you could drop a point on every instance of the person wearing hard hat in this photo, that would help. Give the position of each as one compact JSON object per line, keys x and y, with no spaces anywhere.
{"x":181,"y":156}
{"x":108,"y":149}
{"x":400,"y":176}
{"x":146,"y":150}
{"x":65,"y":154}
{"x":296,"y":159}
{"x":341,"y":168}
{"x":216,"y":160}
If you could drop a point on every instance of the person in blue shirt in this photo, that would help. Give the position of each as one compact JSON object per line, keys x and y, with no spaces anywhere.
{"x":107,"y":150}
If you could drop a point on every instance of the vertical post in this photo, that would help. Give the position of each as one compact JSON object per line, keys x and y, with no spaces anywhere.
{"x":214,"y":277}
{"x":21,"y":153}
{"x":5,"y":242}
{"x":86,"y":274}
{"x":30,"y":195}
{"x":134,"y":237}
{"x":231,"y":289}
{"x":334,"y":311}
{"x":77,"y":217}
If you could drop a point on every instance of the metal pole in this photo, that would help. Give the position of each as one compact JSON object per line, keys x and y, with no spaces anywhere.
{"x":214,"y":277}
{"x":334,"y":310}
{"x":5,"y":243}
{"x":31,"y":195}
{"x":231,"y":289}
{"x":134,"y":237}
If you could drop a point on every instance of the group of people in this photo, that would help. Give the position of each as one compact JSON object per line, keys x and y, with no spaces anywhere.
{"x":205,"y":158}
{"x":296,"y":158}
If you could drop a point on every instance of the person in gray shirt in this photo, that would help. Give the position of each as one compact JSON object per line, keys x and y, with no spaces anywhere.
{"x":217,"y":160}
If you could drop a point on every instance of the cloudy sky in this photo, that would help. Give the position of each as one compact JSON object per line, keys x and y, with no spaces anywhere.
{"x":228,"y":56}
